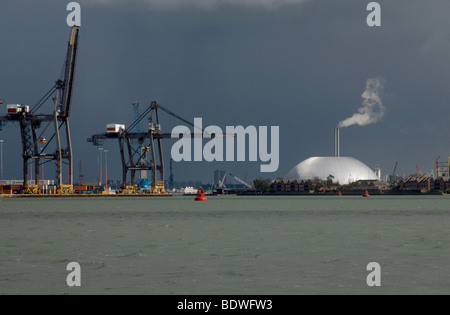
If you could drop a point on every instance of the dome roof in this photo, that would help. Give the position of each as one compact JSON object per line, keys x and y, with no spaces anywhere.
{"x":344,"y":169}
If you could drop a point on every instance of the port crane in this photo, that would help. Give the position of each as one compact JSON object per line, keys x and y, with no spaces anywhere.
{"x":393,"y":177}
{"x":437,"y":166}
{"x":221,"y":184}
{"x":34,"y":126}
{"x":442,"y":168}
{"x":221,"y":188}
{"x":132,"y":157}
{"x":135,"y":158}
{"x":419,"y":171}
{"x":395,"y":168}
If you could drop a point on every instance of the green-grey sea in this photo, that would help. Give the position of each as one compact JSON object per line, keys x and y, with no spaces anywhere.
{"x":234,"y":245}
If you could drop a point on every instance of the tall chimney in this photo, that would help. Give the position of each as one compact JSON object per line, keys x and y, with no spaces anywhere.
{"x":338,"y":143}
{"x":335,"y":142}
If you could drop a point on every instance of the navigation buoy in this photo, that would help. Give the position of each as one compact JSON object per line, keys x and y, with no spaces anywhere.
{"x":200,"y":195}
{"x":366,"y":194}
{"x":339,"y":193}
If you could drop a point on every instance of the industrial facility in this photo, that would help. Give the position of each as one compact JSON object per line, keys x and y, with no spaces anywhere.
{"x":45,"y":138}
{"x":342,"y":170}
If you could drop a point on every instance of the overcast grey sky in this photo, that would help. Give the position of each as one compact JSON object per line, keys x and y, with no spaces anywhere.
{"x":300,"y":65}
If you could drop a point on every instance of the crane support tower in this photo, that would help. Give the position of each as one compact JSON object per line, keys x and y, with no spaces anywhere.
{"x":34,"y":127}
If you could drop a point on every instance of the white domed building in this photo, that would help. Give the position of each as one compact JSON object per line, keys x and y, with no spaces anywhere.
{"x":344,"y":170}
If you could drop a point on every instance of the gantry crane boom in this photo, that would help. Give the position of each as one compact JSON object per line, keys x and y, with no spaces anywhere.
{"x":395,"y":168}
{"x":69,"y":73}
{"x":241,"y":181}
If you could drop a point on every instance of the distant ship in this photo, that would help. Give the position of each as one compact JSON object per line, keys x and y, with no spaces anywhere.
{"x":189,"y":190}
{"x":186,"y":191}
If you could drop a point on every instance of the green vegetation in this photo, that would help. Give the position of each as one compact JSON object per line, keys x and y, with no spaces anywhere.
{"x":262,"y":185}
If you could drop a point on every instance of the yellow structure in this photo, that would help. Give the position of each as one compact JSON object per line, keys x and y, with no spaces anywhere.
{"x":129,"y":190}
{"x":159,"y":188}
{"x":31,"y":189}
{"x":65,"y":190}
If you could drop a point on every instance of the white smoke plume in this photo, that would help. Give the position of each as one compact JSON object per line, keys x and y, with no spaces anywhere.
{"x":372,"y":109}
{"x":206,"y":4}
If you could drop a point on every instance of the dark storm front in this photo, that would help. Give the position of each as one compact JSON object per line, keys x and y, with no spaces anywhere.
{"x":213,"y":150}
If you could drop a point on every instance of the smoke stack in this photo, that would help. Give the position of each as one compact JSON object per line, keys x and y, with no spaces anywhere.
{"x":336,"y":142}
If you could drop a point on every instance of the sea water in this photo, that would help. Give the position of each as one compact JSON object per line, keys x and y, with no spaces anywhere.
{"x":232,"y":245}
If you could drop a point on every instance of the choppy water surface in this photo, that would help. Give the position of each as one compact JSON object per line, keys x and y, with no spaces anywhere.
{"x":227,"y":245}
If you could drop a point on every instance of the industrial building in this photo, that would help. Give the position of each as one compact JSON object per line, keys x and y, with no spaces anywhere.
{"x":285,"y":186}
{"x":294,"y":186}
{"x":423,"y":183}
{"x":342,"y":170}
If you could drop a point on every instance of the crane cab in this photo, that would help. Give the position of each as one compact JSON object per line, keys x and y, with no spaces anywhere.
{"x":13,"y":109}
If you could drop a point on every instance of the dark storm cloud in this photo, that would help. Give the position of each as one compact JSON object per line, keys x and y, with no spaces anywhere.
{"x":204,"y":4}
{"x":300,"y":65}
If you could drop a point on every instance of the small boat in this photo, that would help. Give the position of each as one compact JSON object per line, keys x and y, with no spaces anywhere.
{"x":200,"y":195}
{"x":366,"y":194}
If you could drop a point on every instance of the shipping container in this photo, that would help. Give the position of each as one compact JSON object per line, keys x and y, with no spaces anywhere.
{"x":51,"y":189}
{"x":87,"y":192}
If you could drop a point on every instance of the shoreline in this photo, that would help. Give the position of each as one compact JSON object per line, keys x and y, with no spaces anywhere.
{"x":82,"y":196}
{"x":344,"y":193}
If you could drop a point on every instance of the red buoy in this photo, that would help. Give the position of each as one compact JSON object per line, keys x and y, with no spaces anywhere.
{"x":366,"y":194}
{"x":200,"y":195}
{"x":339,"y":193}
